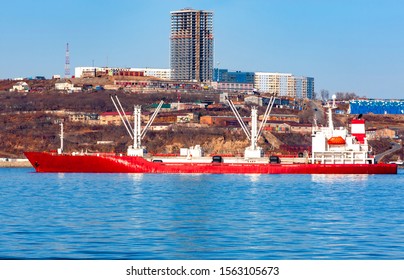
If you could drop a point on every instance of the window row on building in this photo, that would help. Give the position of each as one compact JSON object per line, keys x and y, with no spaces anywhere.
{"x":91,"y":72}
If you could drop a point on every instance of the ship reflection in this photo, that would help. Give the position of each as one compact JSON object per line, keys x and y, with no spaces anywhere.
{"x":333,"y":178}
{"x":253,"y":177}
{"x":136,"y":177}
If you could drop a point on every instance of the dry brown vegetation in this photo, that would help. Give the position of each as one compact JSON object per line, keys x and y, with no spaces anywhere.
{"x":25,"y":125}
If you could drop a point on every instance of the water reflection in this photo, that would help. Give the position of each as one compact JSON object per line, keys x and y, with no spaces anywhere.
{"x":201,"y":216}
{"x":253,"y":177}
{"x":333,"y":178}
{"x":136,"y":177}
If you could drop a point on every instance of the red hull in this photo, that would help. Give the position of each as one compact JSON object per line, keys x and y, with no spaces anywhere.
{"x":52,"y":162}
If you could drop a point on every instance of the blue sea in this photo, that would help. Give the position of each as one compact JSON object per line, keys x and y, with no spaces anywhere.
{"x":171,"y":217}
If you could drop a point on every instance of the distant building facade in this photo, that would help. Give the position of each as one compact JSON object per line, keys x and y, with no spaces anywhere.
{"x":284,"y":85}
{"x":20,"y":87}
{"x":160,"y":73}
{"x":91,"y":72}
{"x":66,"y":86}
{"x":245,"y":88}
{"x":376,"y":106}
{"x":223,"y":75}
{"x":274,"y":83}
{"x":113,"y":118}
{"x":191,"y":54}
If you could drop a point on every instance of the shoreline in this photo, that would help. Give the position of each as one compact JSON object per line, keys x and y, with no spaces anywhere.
{"x":16,"y":164}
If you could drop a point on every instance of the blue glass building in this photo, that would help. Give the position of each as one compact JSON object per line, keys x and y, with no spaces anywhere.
{"x":223,"y":75}
{"x":376,"y":106}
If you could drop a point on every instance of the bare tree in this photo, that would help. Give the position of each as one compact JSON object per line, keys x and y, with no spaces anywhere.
{"x":325,"y":94}
{"x":346,"y":95}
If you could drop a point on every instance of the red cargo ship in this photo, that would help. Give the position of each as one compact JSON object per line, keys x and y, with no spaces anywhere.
{"x":334,"y":151}
{"x":98,"y":163}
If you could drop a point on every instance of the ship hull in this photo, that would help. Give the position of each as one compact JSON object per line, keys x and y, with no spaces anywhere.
{"x":69,"y":163}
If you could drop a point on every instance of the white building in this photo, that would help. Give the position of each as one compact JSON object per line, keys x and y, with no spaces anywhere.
{"x":83,"y":72}
{"x":66,"y":86}
{"x":272,"y":82}
{"x":284,"y":84}
{"x":20,"y":87}
{"x":160,"y":73}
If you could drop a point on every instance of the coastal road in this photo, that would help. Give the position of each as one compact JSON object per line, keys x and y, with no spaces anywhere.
{"x":394,"y":147}
{"x":318,"y":111}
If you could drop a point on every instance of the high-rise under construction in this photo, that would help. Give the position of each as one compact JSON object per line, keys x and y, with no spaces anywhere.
{"x":191,"y":45}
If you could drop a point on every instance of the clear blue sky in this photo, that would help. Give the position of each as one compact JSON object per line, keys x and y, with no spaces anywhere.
{"x":346,"y":45}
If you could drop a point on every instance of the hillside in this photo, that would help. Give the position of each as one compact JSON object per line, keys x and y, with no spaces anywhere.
{"x":30,"y":122}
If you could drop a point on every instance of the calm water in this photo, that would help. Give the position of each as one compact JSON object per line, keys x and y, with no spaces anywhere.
{"x":126,"y":216}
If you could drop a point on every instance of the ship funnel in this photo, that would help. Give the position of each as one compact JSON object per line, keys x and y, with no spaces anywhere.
{"x":358,"y":130}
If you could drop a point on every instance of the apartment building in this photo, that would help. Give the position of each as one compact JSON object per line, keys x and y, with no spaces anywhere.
{"x":191,"y":56}
{"x":284,"y":84}
{"x":274,"y":83}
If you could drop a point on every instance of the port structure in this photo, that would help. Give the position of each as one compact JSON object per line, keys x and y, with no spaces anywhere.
{"x":253,"y":151}
{"x":191,"y":44}
{"x":67,"y":61}
{"x":136,"y":133}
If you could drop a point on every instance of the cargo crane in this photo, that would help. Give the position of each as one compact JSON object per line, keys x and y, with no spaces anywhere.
{"x":253,"y":151}
{"x":135,"y":132}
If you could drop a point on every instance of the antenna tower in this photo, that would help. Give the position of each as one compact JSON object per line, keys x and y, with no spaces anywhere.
{"x":67,"y":62}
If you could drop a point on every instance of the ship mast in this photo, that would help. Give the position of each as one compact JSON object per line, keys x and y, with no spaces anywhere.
{"x":60,"y":150}
{"x":254,"y":131}
{"x":137,"y":140}
{"x":330,"y":108}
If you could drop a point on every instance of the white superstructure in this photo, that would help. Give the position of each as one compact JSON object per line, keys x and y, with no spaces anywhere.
{"x":337,"y":145}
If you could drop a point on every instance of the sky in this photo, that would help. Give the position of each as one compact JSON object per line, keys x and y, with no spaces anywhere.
{"x":346,"y":45}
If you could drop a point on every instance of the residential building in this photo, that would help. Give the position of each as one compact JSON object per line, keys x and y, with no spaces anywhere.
{"x":20,"y":87}
{"x":310,"y":88}
{"x":274,"y":83}
{"x":83,"y":117}
{"x":222,"y":120}
{"x":301,"y":87}
{"x":191,"y":56}
{"x":284,"y":85}
{"x":64,"y":85}
{"x":113,"y":118}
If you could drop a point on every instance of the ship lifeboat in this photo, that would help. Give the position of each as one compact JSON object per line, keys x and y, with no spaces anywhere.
{"x":338,"y":140}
